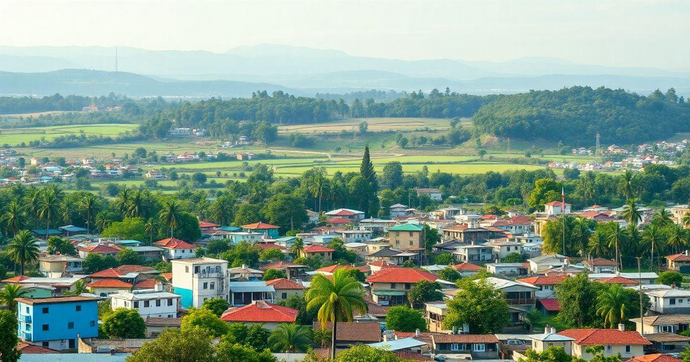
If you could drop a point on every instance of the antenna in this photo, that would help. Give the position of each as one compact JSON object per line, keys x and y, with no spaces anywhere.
{"x":116,"y":58}
{"x":598,"y":150}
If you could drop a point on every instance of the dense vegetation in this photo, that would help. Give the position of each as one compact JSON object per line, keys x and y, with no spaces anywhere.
{"x":575,"y":115}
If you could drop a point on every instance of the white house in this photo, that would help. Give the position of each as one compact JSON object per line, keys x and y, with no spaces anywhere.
{"x":176,"y":249}
{"x":197,"y":280}
{"x":434,"y":194}
{"x":149,"y":303}
{"x":352,"y":236}
{"x":670,"y":301}
{"x":545,"y":262}
{"x":556,"y":208}
{"x":505,"y":248}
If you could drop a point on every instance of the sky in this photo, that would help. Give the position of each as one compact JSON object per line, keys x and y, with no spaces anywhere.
{"x":630,"y":33}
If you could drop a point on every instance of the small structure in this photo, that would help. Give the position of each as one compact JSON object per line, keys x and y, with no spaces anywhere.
{"x":149,"y":303}
{"x":601,"y":265}
{"x":285,"y":288}
{"x":628,"y":344}
{"x":260,"y":312}
{"x":176,"y":249}
{"x":433,"y":193}
{"x":679,"y":262}
{"x":267,"y":230}
{"x":311,"y":250}
{"x":246,"y":292}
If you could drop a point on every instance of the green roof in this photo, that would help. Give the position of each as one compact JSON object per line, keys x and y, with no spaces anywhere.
{"x":388,"y":293}
{"x":406,"y":227}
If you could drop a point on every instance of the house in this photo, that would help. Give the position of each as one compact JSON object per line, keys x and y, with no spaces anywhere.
{"x":663,"y":323}
{"x":517,"y":294}
{"x":466,"y":233}
{"x":389,"y":286}
{"x":628,"y":344}
{"x":619,"y":280}
{"x":668,"y":342}
{"x":515,"y":225}
{"x":260,"y":312}
{"x":555,"y":208}
{"x":669,"y":301}
{"x":149,"y":252}
{"x":291,"y":270}
{"x":57,"y":322}
{"x":322,"y":251}
{"x":467,"y":269}
{"x":246,"y":292}
{"x":101,"y":249}
{"x":541,"y":342}
{"x":516,"y":269}
{"x":55,"y":266}
{"x":176,"y":249}
{"x":131,"y":274}
{"x":285,"y":288}
{"x":546,"y":285}
{"x":149,"y":303}
{"x":106,"y":287}
{"x":244,"y":273}
{"x":70,"y":230}
{"x":504,"y":248}
{"x":376,"y":226}
{"x":679,"y":262}
{"x":397,"y":210}
{"x":267,"y":230}
{"x":391,"y":255}
{"x":155,"y":325}
{"x":433,"y":193}
{"x":475,"y":253}
{"x":353,"y":333}
{"x":407,"y":237}
{"x":434,"y":313}
{"x":56,"y":285}
{"x":646,"y":278}
{"x":200,"y":279}
{"x":545,"y":262}
{"x":351,"y":236}
{"x":242,"y":236}
{"x":601,"y":265}
{"x":349,"y":214}
{"x":155,"y":175}
{"x":478,"y":346}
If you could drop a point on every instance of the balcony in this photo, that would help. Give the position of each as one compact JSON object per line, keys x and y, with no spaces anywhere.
{"x":521,"y":301}
{"x":27,"y":319}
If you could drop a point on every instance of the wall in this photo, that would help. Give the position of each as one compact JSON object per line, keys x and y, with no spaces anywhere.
{"x":58,"y":317}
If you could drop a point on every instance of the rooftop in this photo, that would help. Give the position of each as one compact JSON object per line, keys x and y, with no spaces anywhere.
{"x":401,"y":275}
{"x":260,"y":312}
{"x":592,"y":336}
{"x":52,"y":300}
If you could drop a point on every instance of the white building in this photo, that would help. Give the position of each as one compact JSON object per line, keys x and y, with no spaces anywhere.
{"x":556,"y":208}
{"x":671,"y":301}
{"x":352,"y":236}
{"x":149,"y":303}
{"x":197,"y":280}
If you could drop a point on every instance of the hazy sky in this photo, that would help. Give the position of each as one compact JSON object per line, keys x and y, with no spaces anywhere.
{"x":611,"y":32}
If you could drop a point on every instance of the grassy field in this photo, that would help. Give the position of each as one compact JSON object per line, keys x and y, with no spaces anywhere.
{"x":16,"y":136}
{"x":374,"y":125}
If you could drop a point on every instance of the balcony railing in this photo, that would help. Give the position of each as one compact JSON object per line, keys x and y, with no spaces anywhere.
{"x":522,"y":301}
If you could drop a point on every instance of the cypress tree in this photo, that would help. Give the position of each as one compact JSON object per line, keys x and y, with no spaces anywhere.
{"x":366,"y":170}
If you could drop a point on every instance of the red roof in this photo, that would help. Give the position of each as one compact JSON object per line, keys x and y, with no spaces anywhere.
{"x":260,"y":226}
{"x":656,"y":357}
{"x":27,"y":348}
{"x":550,"y":305}
{"x":592,"y":336}
{"x":516,"y":220}
{"x":488,"y":217}
{"x":283,"y":283}
{"x":468,"y":267}
{"x":16,"y":279}
{"x":344,"y":213}
{"x":332,"y":268}
{"x":679,"y":257}
{"x":280,"y":265}
{"x":591,"y":214}
{"x":121,"y":270}
{"x":106,"y":273}
{"x":317,"y":249}
{"x":206,"y":224}
{"x":401,"y":275}
{"x":146,"y":284}
{"x":338,"y":221}
{"x":619,"y":280}
{"x":382,"y":264}
{"x":538,"y":280}
{"x":173,"y":243}
{"x":167,"y":276}
{"x":109,"y":283}
{"x":260,"y":312}
{"x":557,"y":203}
{"x":265,"y":246}
{"x":101,"y":249}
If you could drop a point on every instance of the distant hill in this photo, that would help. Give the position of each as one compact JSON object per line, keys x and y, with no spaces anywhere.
{"x":575,"y":115}
{"x":91,"y":82}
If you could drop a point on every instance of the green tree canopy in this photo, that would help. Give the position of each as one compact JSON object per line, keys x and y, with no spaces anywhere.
{"x":124,"y":323}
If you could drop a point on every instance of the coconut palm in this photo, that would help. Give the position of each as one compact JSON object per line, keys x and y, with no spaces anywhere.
{"x":290,"y":338}
{"x":336,"y":300}
{"x":136,"y":204}
{"x":611,"y":305}
{"x":9,"y":295}
{"x":89,"y":206}
{"x":581,"y":233}
{"x":654,"y":236}
{"x":321,"y":337}
{"x":631,"y":212}
{"x":79,"y":288}
{"x":122,"y":200}
{"x":676,"y":237}
{"x":598,"y":244}
{"x":221,"y":210}
{"x":170,"y":214}
{"x":616,"y":237}
{"x":33,"y":202}
{"x":663,"y":217}
{"x":297,"y":247}
{"x":686,"y":219}
{"x":49,"y":208}
{"x":102,"y":221}
{"x":626,"y":184}
{"x":150,"y":229}
{"x":14,"y":218}
{"x":23,"y":248}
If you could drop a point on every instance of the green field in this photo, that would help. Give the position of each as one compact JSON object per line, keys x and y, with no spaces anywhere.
{"x":374,"y":125}
{"x":16,"y":136}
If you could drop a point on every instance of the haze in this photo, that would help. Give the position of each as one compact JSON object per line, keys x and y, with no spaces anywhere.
{"x":639,"y":33}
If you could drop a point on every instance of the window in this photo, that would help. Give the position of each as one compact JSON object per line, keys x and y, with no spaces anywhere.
{"x":45,"y":310}
{"x":205,"y":285}
{"x":170,"y":302}
{"x":410,"y":233}
{"x":392,"y":285}
{"x":196,"y":270}
{"x":627,"y":349}
{"x":70,"y":325}
{"x":672,"y":301}
{"x":136,"y":304}
{"x":158,"y":302}
{"x":454,"y":347}
{"x":479,"y":347}
{"x":680,"y":300}
{"x":92,"y":323}
{"x":46,"y":327}
{"x":284,"y":295}
{"x":410,"y":242}
{"x":666,"y":328}
{"x":78,"y":308}
{"x":45,"y":344}
{"x":407,"y":285}
{"x":213,"y":285}
{"x":186,"y":269}
{"x":146,"y":304}
{"x":27,"y":310}
{"x":609,"y":348}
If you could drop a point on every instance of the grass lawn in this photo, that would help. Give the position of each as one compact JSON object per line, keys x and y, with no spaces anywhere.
{"x":373,"y":125}
{"x":18,"y":135}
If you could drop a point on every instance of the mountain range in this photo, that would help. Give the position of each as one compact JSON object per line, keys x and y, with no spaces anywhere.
{"x":296,"y":70}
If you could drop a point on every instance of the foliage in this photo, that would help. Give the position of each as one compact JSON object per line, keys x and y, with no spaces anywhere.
{"x":216,"y":305}
{"x":124,"y":323}
{"x":8,"y":337}
{"x":366,"y":353}
{"x":577,"y":297}
{"x":424,"y":291}
{"x":9,"y":295}
{"x":271,"y":274}
{"x":23,"y":249}
{"x":444,"y":259}
{"x":551,"y":354}
{"x":290,"y":338}
{"x":479,"y":305}
{"x":272,"y":254}
{"x":127,"y":256}
{"x":58,"y":245}
{"x":204,"y":319}
{"x":513,"y":258}
{"x":449,"y":274}
{"x":670,"y":277}
{"x":298,"y":303}
{"x":404,"y":319}
{"x":177,"y":345}
{"x":127,"y":229}
{"x":95,"y":262}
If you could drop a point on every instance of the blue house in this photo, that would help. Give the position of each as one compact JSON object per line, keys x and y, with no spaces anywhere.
{"x":56,"y":322}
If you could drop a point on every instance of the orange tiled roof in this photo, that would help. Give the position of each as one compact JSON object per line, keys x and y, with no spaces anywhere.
{"x":284,"y":284}
{"x":280,"y":265}
{"x":101,"y":249}
{"x":109,"y":283}
{"x":338,"y":221}
{"x":173,"y":243}
{"x":28,"y":348}
{"x":538,"y":280}
{"x":260,"y":226}
{"x":619,"y":280}
{"x":146,"y":284}
{"x":593,"y":336}
{"x":332,"y":268}
{"x":656,"y":357}
{"x":260,"y":312}
{"x":16,"y":279}
{"x":679,"y":257}
{"x":469,"y":267}
{"x":317,"y":249}
{"x":401,"y":275}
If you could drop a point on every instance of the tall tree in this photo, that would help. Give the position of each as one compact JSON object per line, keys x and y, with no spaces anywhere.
{"x":611,"y":305}
{"x":8,"y":337}
{"x":631,"y":213}
{"x":23,"y":249}
{"x":336,"y":300}
{"x":654,"y":236}
{"x":626,"y":184}
{"x":14,"y":218}
{"x":90,"y":207}
{"x":290,"y":338}
{"x":366,"y":170}
{"x":49,"y":208}
{"x":617,"y":236}
{"x":479,"y":305}
{"x":9,"y":295}
{"x":598,"y":245}
{"x":170,"y":215}
{"x":676,"y":237}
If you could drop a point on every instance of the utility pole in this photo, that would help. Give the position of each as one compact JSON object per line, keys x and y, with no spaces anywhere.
{"x":639,"y":288}
{"x":563,"y":215}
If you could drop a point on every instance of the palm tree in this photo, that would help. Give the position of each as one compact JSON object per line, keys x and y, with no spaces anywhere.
{"x":654,"y":236}
{"x":122,"y":200}
{"x":316,"y":183}
{"x":297,"y":247}
{"x":662,"y":217}
{"x":9,"y":295}
{"x":49,"y":208}
{"x":581,"y":234}
{"x":79,"y":288}
{"x":598,"y":244}
{"x":135,"y":206}
{"x":322,"y":337}
{"x":23,"y":248}
{"x":150,"y":229}
{"x":170,"y":214}
{"x":631,"y":213}
{"x":14,"y":217}
{"x":33,"y":202}
{"x":102,"y":221}
{"x":89,"y":206}
{"x":686,"y":219}
{"x":221,"y":210}
{"x":336,"y":299}
{"x":290,"y":338}
{"x":611,"y":305}
{"x":676,"y":237}
{"x":616,"y":237}
{"x":626,"y":184}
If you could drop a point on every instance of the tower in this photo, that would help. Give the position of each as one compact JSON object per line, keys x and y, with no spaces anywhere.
{"x":598,"y":150}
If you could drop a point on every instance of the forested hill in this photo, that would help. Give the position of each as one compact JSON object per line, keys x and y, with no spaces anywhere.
{"x":575,"y":115}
